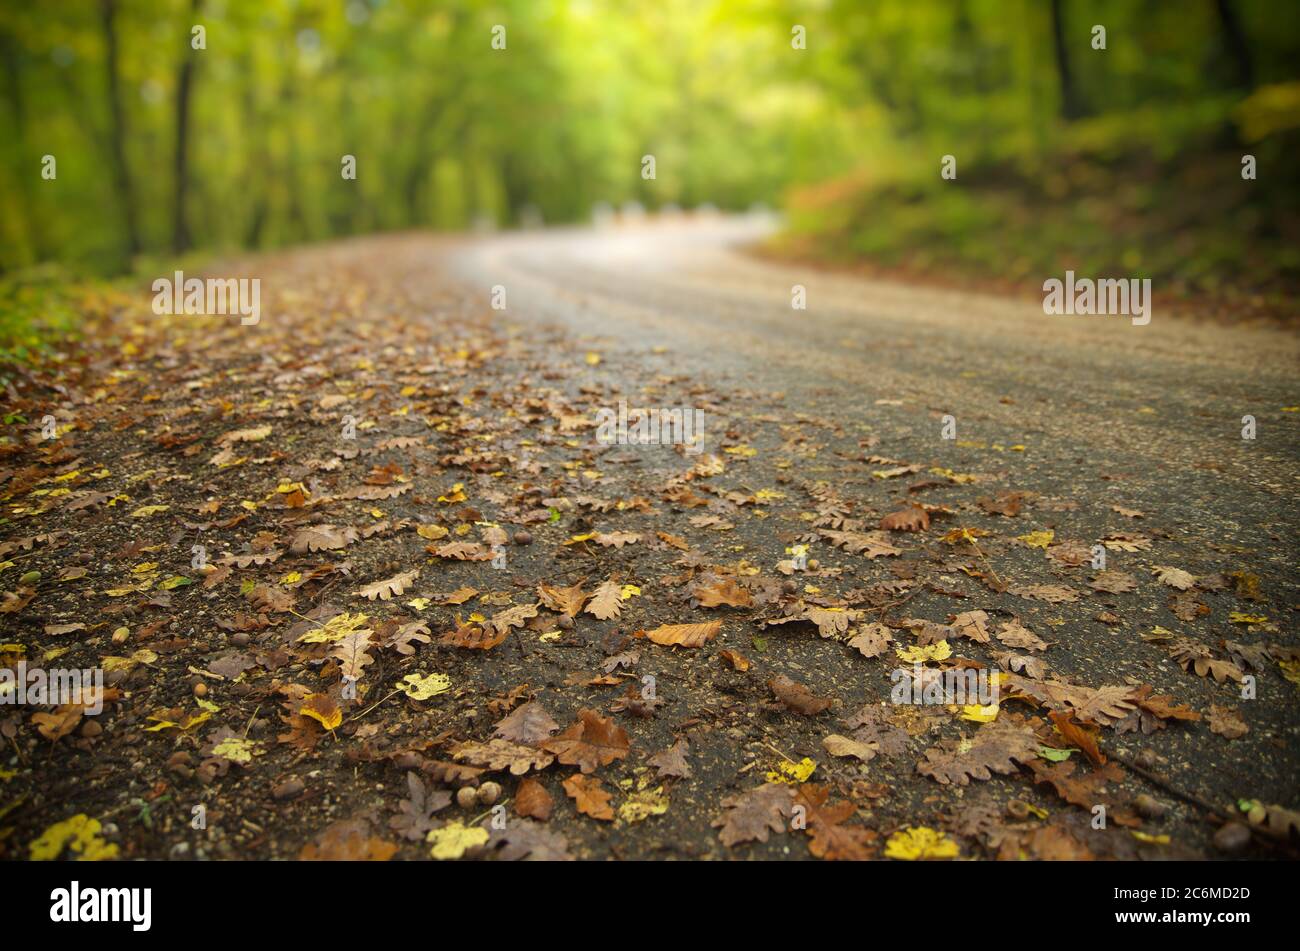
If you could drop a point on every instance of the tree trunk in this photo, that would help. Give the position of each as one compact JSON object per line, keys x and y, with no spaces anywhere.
{"x":181,"y":169}
{"x":1235,"y":40}
{"x":1071,"y":104}
{"x":117,"y":137}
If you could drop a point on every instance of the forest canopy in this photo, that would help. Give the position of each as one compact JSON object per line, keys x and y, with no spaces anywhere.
{"x":161,"y":147}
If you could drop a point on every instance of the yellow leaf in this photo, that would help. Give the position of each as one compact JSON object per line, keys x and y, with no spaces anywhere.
{"x":919,"y":655}
{"x":455,"y":494}
{"x":1148,"y":837}
{"x":418,"y":603}
{"x":978,"y":714}
{"x":593,"y":358}
{"x":236,"y":749}
{"x":335,"y":629}
{"x":146,"y":510}
{"x":80,"y":834}
{"x":1038,"y":539}
{"x":422,"y":688}
{"x":144,"y":566}
{"x":331,"y":718}
{"x":454,"y":839}
{"x":911,"y":844}
{"x":792,"y":773}
{"x":643,"y":804}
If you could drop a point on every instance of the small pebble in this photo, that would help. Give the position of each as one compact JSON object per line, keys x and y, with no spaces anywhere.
{"x":523,"y":538}
{"x":91,"y":728}
{"x":289,"y":789}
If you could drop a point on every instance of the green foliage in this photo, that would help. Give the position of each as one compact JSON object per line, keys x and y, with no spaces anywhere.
{"x":448,"y":131}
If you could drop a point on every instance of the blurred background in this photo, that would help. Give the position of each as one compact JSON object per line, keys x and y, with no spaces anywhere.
{"x":1123,"y":161}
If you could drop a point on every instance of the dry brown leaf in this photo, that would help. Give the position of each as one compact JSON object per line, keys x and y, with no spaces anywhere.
{"x":797,"y":697}
{"x":996,"y":748}
{"x":529,"y":725}
{"x":683,"y":635}
{"x":910,"y":519}
{"x":588,"y":796}
{"x":607,"y":602}
{"x":563,"y":600}
{"x":533,"y":801}
{"x":389,"y":587}
{"x":1227,"y":722}
{"x":751,"y":816}
{"x":591,"y":741}
{"x":723,"y":592}
{"x":672,"y":761}
{"x":322,"y":538}
{"x":499,"y":754}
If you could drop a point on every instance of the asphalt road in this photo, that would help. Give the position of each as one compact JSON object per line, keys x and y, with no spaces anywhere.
{"x":1146,"y":418}
{"x":1165,"y":398}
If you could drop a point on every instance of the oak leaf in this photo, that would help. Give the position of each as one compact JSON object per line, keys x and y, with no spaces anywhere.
{"x":996,"y":748}
{"x":607,"y":602}
{"x":750,"y":816}
{"x":683,"y":635}
{"x":588,"y":797}
{"x":389,"y":587}
{"x":529,"y":724}
{"x":533,"y":801}
{"x":497,"y":754}
{"x":591,"y":741}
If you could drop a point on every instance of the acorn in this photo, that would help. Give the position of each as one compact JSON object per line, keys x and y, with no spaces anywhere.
{"x":565,"y":623}
{"x":200,"y":689}
{"x":523,"y":538}
{"x":466,"y":797}
{"x":813,"y":564}
{"x":1232,"y":837}
{"x":1149,"y":807}
{"x":489,"y":793}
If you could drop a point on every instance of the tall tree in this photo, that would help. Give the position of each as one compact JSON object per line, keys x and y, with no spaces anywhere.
{"x":117,"y":136}
{"x":181,"y":167}
{"x":1071,"y":103}
{"x":1235,"y":40}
